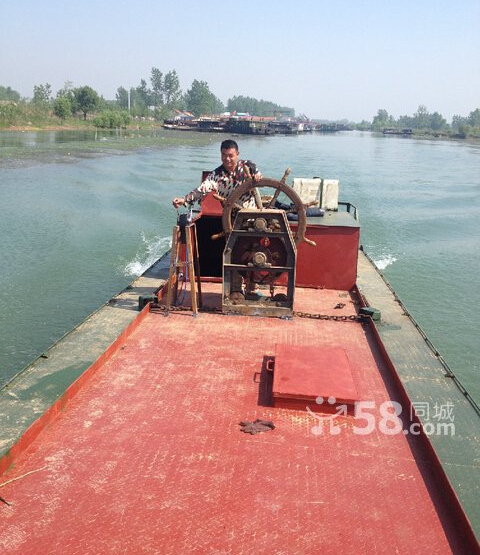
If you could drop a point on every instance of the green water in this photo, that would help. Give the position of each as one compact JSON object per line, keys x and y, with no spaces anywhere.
{"x":80,"y":218}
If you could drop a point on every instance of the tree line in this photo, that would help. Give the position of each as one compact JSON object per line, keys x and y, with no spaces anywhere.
{"x":424,"y":121}
{"x":157,"y":99}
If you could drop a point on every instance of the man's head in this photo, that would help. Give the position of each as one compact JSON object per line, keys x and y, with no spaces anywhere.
{"x":229,"y":150}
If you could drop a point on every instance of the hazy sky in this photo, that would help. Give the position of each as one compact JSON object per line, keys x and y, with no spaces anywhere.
{"x":328,"y":59}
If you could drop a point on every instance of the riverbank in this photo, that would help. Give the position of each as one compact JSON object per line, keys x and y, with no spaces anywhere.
{"x":74,"y":126}
{"x":132,"y":131}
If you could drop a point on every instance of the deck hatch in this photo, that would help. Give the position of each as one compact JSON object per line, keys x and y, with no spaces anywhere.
{"x":302,"y":374}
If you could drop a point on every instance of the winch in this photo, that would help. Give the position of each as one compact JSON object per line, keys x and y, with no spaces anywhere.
{"x":260,"y":254}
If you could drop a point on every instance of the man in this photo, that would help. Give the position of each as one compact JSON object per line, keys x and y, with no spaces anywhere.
{"x":224,"y":179}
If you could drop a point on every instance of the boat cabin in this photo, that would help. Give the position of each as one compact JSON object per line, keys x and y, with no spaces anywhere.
{"x":329,"y":264}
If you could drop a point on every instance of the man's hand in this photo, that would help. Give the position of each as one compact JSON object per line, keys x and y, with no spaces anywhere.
{"x":178,"y":202}
{"x":257,"y":176}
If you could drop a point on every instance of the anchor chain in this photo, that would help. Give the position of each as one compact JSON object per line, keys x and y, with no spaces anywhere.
{"x":330,"y":317}
{"x":163,"y":309}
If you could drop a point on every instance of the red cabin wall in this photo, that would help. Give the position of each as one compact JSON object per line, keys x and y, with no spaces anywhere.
{"x":332,"y":264}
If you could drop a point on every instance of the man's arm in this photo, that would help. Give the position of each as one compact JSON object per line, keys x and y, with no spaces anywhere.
{"x":198,"y":193}
{"x":178,"y":201}
{"x":254,"y":171}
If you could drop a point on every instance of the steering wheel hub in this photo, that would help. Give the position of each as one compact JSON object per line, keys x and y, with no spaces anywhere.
{"x":232,"y":205}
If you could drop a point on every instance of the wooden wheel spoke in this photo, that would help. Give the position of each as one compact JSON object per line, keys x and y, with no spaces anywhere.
{"x":219,"y":198}
{"x":258,"y":198}
{"x":271,"y":204}
{"x":252,"y":187}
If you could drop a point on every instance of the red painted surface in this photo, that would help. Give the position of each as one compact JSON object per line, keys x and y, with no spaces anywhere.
{"x":211,"y":206}
{"x":148,"y":457}
{"x":54,"y":410}
{"x":332,"y":264}
{"x":314,"y":376}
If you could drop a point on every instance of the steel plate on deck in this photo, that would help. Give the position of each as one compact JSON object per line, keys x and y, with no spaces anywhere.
{"x":319,"y":377}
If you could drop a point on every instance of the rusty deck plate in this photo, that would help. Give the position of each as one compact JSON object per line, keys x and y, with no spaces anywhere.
{"x":318,"y":377}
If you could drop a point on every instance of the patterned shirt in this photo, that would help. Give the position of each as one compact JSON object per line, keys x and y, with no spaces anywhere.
{"x":224,"y":182}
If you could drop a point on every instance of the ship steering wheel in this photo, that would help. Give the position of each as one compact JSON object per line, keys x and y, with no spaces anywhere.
{"x":232,"y":203}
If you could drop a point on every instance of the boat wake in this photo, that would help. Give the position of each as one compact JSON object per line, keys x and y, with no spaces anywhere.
{"x":151,"y":250}
{"x":384,"y":262}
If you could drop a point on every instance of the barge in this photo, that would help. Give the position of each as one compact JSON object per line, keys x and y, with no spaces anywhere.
{"x":264,"y":392}
{"x":253,"y":125}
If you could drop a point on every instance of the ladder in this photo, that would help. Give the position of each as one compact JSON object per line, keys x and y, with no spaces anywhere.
{"x":184,"y":262}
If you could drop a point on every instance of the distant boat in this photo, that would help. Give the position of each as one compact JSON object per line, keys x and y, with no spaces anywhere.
{"x":393,"y":131}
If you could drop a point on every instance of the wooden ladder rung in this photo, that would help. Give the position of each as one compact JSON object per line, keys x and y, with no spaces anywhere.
{"x":190,"y":265}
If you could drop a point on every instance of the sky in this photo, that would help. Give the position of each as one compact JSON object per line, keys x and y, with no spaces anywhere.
{"x":336,"y":59}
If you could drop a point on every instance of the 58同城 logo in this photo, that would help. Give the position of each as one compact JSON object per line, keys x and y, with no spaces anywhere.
{"x":386,"y":418}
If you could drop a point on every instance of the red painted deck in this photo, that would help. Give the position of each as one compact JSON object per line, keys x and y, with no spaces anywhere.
{"x":149,"y":457}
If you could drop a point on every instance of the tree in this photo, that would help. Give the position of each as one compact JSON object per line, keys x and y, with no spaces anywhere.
{"x":200,"y":101}
{"x":10,"y":113}
{"x":7,"y":93}
{"x":457,"y":121}
{"x":406,"y":122}
{"x":141,"y":98}
{"x":64,"y":102}
{"x":437,"y":121}
{"x":474,"y":118}
{"x":66,"y":90}
{"x":86,"y":100}
{"x":110,"y":119}
{"x":364,"y":125}
{"x":42,"y":96}
{"x":62,"y":107}
{"x":382,"y":120}
{"x":256,"y":107}
{"x":172,"y":91}
{"x":467,"y":126}
{"x":421,"y":118}
{"x":122,"y":98}
{"x":157,"y":86}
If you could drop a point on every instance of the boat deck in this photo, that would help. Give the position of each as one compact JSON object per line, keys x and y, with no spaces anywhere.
{"x":148,"y":456}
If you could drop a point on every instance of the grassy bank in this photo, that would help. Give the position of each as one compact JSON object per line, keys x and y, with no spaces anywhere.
{"x":72,"y":124}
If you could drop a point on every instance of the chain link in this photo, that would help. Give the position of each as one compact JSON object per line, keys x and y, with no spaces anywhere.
{"x":331,"y":317}
{"x":309,"y":315}
{"x":155,"y":307}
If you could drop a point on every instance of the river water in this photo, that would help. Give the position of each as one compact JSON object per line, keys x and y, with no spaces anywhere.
{"x":80,"y":218}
